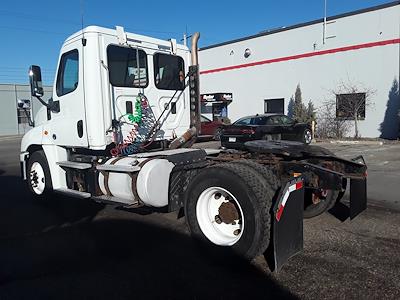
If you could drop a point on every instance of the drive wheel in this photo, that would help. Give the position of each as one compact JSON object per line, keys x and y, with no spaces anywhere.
{"x":326,"y":202}
{"x":38,"y":175}
{"x":229,"y":206}
{"x":307,"y":136}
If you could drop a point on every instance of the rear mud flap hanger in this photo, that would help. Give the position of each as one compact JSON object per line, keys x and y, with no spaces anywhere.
{"x":287,"y":224}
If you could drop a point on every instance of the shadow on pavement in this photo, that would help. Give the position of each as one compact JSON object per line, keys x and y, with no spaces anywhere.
{"x":57,"y":251}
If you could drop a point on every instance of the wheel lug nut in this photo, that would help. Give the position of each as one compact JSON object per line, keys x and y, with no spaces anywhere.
{"x":236,"y":232}
{"x":233,"y":223}
{"x":217,"y":196}
{"x":218,"y":219}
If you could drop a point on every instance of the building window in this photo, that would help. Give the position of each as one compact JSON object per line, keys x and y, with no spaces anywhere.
{"x":169,"y":72}
{"x":275,"y":106}
{"x":350,"y":105}
{"x":68,"y":73}
{"x":124,"y":69}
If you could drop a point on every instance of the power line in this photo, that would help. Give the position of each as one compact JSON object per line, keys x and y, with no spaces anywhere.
{"x":34,"y":30}
{"x":152,"y":31}
{"x":35,"y":17}
{"x":23,"y":69}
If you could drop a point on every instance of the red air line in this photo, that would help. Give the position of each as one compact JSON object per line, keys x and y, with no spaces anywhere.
{"x":304,"y":55}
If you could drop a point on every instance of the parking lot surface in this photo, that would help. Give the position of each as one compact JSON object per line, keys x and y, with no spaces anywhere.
{"x":78,"y":249}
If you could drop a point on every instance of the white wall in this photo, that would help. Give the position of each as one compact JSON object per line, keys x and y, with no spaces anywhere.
{"x":372,"y":67}
{"x":9,"y":94}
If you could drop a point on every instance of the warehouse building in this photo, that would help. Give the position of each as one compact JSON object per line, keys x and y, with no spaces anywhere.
{"x":13,"y":120}
{"x":325,"y":57}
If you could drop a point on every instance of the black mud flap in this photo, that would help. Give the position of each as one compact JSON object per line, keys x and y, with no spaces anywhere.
{"x":358,"y":197}
{"x":358,"y":201}
{"x":287,"y":224}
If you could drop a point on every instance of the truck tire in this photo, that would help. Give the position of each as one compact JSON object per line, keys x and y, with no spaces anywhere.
{"x":268,"y":173}
{"x":38,"y":175}
{"x":229,"y":206}
{"x":312,"y":210}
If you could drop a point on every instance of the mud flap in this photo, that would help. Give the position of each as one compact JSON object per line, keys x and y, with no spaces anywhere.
{"x":287,"y":224}
{"x":358,"y":201}
{"x":358,"y":197}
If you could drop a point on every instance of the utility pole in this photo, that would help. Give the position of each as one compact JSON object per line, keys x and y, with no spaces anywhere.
{"x":184,"y":39}
{"x":324,"y":29}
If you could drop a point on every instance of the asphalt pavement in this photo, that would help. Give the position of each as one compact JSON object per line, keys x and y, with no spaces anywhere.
{"x":78,"y":249}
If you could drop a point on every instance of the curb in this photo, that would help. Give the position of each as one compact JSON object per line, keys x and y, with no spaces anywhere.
{"x":357,"y":142}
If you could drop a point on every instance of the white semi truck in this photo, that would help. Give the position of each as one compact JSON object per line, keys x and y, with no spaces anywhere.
{"x":119,"y":129}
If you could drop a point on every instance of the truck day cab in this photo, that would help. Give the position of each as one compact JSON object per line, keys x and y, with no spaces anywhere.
{"x":119,"y":129}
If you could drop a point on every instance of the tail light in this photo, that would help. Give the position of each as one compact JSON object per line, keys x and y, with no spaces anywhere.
{"x":247,"y":131}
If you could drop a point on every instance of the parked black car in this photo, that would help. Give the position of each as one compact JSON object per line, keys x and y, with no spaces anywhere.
{"x":264,"y":127}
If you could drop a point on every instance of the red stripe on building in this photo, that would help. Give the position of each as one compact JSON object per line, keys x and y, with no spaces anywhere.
{"x":304,"y":55}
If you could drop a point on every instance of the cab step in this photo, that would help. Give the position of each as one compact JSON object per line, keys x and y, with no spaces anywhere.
{"x":73,"y":193}
{"x":115,"y":200}
{"x":74,"y":165}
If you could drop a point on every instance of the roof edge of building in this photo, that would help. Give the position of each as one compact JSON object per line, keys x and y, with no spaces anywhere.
{"x":286,"y":28}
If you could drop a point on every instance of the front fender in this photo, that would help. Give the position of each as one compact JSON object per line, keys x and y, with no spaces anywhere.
{"x":32,"y":137}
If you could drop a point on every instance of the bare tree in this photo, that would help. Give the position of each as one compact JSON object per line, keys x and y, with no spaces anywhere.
{"x":352,"y":99}
{"x":328,"y":125}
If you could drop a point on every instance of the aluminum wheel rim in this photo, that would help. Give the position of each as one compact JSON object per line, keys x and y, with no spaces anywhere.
{"x":207,"y":210}
{"x":37,"y":178}
{"x":308,"y":136}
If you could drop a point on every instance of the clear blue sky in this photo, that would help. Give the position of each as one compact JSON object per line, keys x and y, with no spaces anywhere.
{"x":33,"y":31}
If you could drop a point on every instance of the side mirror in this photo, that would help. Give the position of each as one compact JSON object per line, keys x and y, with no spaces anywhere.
{"x":24,"y":103}
{"x":35,"y":79}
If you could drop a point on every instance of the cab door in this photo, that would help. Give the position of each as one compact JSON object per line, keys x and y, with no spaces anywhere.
{"x":67,"y":126}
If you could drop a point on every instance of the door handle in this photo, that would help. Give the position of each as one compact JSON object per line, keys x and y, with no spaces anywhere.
{"x":79,"y":128}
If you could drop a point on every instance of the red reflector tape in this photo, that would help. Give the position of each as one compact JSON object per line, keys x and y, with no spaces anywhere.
{"x":279,"y":212}
{"x":299,"y":185}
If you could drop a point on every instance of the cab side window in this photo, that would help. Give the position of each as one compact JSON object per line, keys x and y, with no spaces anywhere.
{"x":68,"y":73}
{"x":169,"y":72}
{"x":124,"y":68}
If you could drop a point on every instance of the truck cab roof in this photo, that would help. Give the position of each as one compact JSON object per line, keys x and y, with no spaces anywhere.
{"x":131,"y":37}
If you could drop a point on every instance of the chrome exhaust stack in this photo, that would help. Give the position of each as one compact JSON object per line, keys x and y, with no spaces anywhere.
{"x":194,"y":51}
{"x":194,"y":86}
